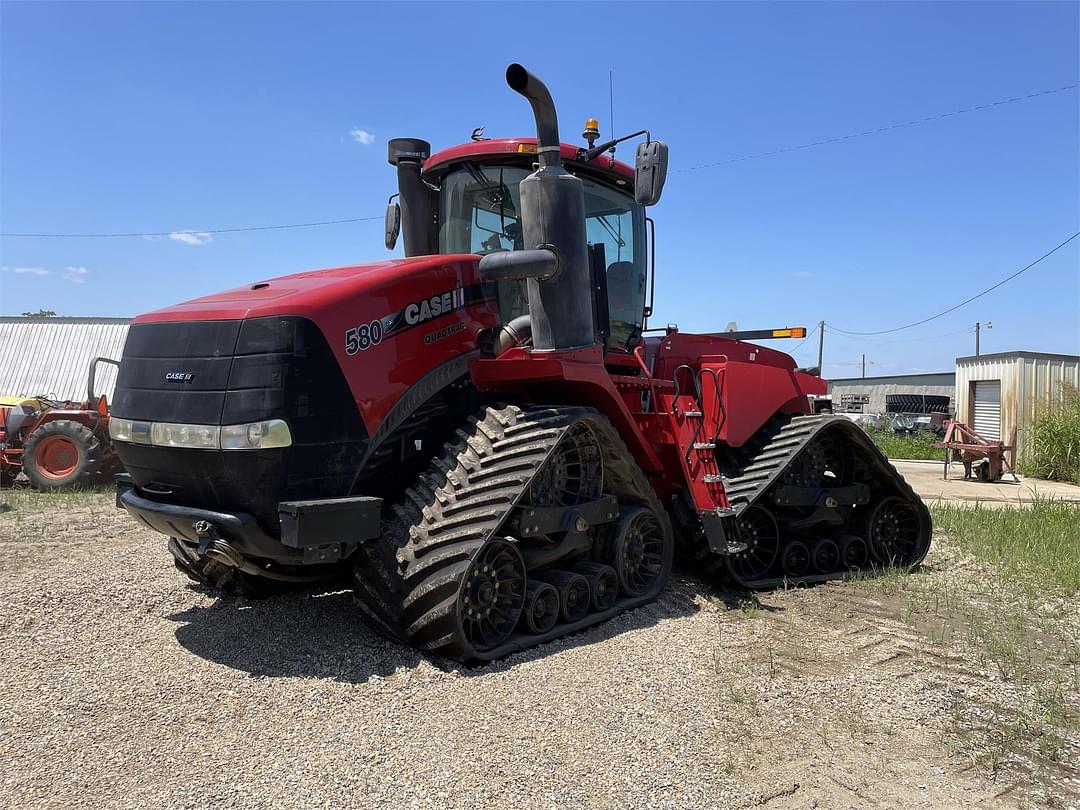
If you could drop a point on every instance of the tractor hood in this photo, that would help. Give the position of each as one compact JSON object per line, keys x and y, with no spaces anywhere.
{"x":309,"y":294}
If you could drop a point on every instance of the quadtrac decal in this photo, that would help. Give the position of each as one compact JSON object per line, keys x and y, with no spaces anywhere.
{"x":415,"y":313}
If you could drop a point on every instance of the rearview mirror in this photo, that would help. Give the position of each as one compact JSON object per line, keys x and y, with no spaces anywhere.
{"x":393,"y":223}
{"x":650,"y":172}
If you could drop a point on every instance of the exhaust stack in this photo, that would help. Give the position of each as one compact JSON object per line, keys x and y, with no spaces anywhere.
{"x":556,"y":259}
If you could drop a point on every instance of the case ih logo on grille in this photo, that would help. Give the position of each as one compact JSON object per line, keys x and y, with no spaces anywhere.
{"x":178,"y":376}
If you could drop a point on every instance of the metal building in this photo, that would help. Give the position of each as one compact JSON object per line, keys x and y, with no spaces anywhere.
{"x":867,"y":394}
{"x":999,"y":393}
{"x":51,"y":356}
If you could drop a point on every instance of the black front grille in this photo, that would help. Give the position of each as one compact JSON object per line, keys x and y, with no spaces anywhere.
{"x":240,"y":371}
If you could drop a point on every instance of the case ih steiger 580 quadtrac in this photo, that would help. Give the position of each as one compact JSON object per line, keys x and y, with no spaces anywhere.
{"x":480,"y":434}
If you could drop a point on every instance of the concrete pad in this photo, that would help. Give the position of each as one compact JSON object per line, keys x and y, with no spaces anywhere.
{"x":925,"y":477}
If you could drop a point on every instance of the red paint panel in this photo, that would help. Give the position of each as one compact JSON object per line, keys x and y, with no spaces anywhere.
{"x":510,"y":146}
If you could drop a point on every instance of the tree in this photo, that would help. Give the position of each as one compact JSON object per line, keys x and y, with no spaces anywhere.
{"x":41,"y":313}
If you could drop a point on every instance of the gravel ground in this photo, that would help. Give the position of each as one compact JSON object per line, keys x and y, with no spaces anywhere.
{"x":121,"y":686}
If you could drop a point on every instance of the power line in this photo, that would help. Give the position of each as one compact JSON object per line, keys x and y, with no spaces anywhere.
{"x":965,"y":301}
{"x":197,"y":231}
{"x":876,"y":342}
{"x":879,"y":130}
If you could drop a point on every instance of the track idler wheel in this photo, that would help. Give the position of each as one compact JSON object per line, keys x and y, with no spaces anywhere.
{"x":637,"y":551}
{"x":853,"y":553}
{"x":896,"y":533}
{"x":795,"y":559}
{"x":758,"y":530}
{"x":492,"y":595}
{"x":825,"y":556}
{"x":541,"y":607}
{"x":574,"y":595}
{"x":603,"y":583}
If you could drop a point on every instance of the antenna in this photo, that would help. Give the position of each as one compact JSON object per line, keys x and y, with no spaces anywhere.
{"x":611,"y":103}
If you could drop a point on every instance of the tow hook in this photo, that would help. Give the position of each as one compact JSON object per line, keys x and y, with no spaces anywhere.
{"x":208,"y":533}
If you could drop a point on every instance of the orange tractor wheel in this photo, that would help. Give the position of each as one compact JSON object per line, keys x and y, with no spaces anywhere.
{"x":61,"y":454}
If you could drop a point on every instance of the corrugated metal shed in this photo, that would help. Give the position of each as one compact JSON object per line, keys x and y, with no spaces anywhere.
{"x":51,"y":356}
{"x":1028,"y":381}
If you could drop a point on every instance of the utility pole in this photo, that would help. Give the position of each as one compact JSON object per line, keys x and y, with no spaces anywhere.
{"x":978,"y":326}
{"x":864,"y":366}
{"x":820,"y":346}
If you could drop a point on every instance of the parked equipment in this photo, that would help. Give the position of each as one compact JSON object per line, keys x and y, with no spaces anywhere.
{"x":983,"y":459}
{"x":484,"y":435}
{"x":57,"y":444}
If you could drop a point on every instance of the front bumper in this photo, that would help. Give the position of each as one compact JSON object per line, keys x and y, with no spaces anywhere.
{"x":313,"y":532}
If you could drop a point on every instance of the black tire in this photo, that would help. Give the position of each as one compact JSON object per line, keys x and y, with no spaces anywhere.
{"x":61,"y":455}
{"x":916,"y":403}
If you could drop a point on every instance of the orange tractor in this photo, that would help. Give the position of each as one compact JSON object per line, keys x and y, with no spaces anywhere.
{"x":58,"y":444}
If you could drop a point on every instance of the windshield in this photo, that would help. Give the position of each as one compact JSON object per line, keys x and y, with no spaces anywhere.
{"x":478,"y":213}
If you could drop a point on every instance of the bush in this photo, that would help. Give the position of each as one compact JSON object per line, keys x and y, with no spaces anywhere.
{"x":917,"y":445}
{"x":1052,"y":444}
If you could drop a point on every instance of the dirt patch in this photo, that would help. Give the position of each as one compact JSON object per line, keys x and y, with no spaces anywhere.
{"x":123,"y":686}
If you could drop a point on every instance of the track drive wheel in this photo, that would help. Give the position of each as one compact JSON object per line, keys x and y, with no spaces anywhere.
{"x":61,"y":454}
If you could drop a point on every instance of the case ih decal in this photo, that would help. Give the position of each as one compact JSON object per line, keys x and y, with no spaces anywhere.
{"x":413,"y":314}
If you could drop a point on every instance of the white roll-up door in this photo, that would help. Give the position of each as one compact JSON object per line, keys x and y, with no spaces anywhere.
{"x":988,"y":409}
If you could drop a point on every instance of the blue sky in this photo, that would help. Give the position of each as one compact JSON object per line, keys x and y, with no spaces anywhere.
{"x":185,"y":116}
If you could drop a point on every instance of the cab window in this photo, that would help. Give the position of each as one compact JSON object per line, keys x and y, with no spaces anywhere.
{"x":478,"y":213}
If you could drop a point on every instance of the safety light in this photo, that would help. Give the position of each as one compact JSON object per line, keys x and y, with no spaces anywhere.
{"x":263,"y":435}
{"x":592,"y":131}
{"x":790,"y":332}
{"x":526,"y":148}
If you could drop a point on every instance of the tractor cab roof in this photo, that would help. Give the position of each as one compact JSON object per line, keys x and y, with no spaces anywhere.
{"x":604,"y":167}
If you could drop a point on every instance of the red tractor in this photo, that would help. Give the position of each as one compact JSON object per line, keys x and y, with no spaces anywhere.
{"x":57,"y":444}
{"x":485,"y":436}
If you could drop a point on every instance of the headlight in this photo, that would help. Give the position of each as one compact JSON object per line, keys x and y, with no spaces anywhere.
{"x":120,"y":430}
{"x":167,"y":434}
{"x":256,"y":436}
{"x":252,"y":436}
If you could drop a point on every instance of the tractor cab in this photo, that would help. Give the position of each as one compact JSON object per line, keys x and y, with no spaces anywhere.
{"x":470,"y":198}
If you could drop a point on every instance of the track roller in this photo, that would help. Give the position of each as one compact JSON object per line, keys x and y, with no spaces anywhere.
{"x":541,"y":606}
{"x":574,"y":595}
{"x":853,"y":552}
{"x":795,"y":559}
{"x":603,"y":583}
{"x":824,"y":556}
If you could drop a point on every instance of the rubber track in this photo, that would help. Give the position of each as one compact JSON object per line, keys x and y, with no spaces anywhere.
{"x":748,"y":473}
{"x":407,"y":580}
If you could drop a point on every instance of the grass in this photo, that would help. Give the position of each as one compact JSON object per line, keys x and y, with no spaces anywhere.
{"x":1038,"y":546}
{"x":917,"y":445}
{"x":23,"y":497}
{"x":1005,"y":604}
{"x":1053,"y":440}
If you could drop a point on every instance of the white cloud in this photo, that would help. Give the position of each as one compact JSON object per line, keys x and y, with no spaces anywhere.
{"x":191,"y":237}
{"x":76,"y":275}
{"x":362,"y":137}
{"x":33,"y":271}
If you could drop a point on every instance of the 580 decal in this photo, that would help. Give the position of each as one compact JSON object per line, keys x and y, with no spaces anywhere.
{"x":363,"y":337}
{"x":366,"y":335}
